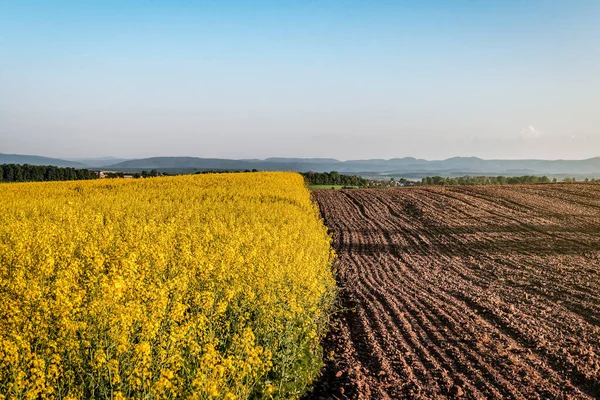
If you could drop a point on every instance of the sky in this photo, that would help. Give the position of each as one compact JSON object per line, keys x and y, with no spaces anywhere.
{"x":341,"y":79}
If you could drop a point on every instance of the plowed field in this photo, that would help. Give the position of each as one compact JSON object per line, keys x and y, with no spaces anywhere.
{"x":473,"y":292}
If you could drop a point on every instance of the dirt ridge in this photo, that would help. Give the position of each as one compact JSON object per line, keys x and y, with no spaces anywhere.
{"x":465,"y":292}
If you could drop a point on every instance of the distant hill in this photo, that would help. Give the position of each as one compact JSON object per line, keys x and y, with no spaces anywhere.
{"x":97,"y":162}
{"x":38,"y":160}
{"x":410,"y":167}
{"x":407,"y":167}
{"x":299,"y":160}
{"x":205,"y":164}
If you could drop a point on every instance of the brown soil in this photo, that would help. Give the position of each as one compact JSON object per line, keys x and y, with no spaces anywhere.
{"x":465,"y":292}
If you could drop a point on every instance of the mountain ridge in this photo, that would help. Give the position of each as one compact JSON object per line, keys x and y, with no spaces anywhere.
{"x":38,"y":160}
{"x":404,"y":166}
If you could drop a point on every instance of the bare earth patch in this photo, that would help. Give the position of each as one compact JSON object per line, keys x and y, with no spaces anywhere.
{"x":465,"y":292}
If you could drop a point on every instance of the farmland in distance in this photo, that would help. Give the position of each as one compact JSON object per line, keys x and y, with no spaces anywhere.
{"x":474,"y":292}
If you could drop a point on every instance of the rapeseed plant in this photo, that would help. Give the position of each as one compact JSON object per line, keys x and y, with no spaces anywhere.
{"x":204,"y":287}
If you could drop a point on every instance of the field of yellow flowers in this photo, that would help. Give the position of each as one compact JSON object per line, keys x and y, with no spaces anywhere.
{"x":206,"y":286}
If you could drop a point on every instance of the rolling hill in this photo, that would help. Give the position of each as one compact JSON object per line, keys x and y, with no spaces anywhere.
{"x":38,"y":160}
{"x":407,"y":167}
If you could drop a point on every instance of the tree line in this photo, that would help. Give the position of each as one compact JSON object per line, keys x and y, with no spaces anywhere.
{"x":42,"y":173}
{"x":143,"y":174}
{"x":333,"y":178}
{"x":492,"y":180}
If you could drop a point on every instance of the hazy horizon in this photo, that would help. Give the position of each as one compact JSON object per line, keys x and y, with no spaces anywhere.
{"x":346,"y":80}
{"x":305,"y":158}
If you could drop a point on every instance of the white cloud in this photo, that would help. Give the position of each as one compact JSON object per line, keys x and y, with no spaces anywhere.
{"x":530,"y":133}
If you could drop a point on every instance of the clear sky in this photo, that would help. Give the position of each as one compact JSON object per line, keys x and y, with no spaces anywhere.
{"x":342,"y":79}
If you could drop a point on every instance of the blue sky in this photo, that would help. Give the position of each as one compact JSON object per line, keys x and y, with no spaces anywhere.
{"x":344,"y":79}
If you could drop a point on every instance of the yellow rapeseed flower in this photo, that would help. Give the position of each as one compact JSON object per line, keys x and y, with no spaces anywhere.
{"x":206,"y":286}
